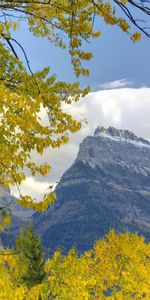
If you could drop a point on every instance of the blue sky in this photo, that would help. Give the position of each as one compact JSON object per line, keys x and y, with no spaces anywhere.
{"x":115,"y":57}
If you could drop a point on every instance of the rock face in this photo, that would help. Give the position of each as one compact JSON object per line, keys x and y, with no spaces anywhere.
{"x":108,"y":186}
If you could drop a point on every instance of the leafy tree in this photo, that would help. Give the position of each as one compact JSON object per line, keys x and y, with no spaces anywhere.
{"x":68,"y":277}
{"x":8,"y":289}
{"x":30,"y":260}
{"x":67,"y":24}
{"x":117,"y":268}
{"x":121,"y":267}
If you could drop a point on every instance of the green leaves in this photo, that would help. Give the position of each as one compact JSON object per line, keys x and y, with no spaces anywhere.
{"x":30,"y":259}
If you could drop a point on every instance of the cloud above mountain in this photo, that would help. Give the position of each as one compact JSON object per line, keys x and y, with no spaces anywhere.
{"x":123,"y":108}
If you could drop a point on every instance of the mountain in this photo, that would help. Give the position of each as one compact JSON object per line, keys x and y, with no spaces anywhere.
{"x":108,"y":186}
{"x":19,"y":215}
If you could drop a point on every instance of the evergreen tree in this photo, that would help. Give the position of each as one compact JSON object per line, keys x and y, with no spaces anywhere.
{"x":31,"y":258}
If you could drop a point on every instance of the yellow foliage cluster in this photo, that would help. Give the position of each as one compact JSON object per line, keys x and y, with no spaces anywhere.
{"x":117,"y":268}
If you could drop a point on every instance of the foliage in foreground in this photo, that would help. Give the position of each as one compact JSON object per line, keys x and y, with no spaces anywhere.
{"x":117,"y":268}
{"x":30,"y":260}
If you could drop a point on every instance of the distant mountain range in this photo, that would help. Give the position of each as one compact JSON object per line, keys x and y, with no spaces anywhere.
{"x":108,"y":186}
{"x":20,"y":216}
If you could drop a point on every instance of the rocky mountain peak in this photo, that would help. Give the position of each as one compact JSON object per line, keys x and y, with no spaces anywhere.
{"x":113,"y":132}
{"x":108,"y":186}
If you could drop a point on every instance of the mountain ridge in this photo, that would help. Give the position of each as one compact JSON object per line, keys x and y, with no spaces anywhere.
{"x":108,"y":186}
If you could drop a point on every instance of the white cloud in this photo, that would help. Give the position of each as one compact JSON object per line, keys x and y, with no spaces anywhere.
{"x":32,"y":187}
{"x":116,"y":84}
{"x":124,"y":108}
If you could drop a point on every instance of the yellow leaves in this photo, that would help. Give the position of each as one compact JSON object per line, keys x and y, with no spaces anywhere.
{"x":75,"y":42}
{"x":7,"y":26}
{"x":118,"y":267}
{"x":67,"y":276}
{"x":105,"y":10}
{"x":124,"y":2}
{"x":85,"y":72}
{"x":43,"y":205}
{"x":42,"y":144}
{"x":22,"y":130}
{"x":20,"y":103}
{"x":96,"y":34}
{"x":120,"y":260}
{"x":44,"y":169}
{"x":5,"y":219}
{"x":28,"y":202}
{"x":123,"y":25}
{"x":25,"y":201}
{"x":20,"y":177}
{"x":136,"y":37}
{"x":33,"y":168}
{"x":7,"y":290}
{"x":1,"y":28}
{"x":34,"y":293}
{"x":21,"y":293}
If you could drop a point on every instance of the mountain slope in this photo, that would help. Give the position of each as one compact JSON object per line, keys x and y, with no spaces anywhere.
{"x":108,"y":186}
{"x":19,"y":216}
